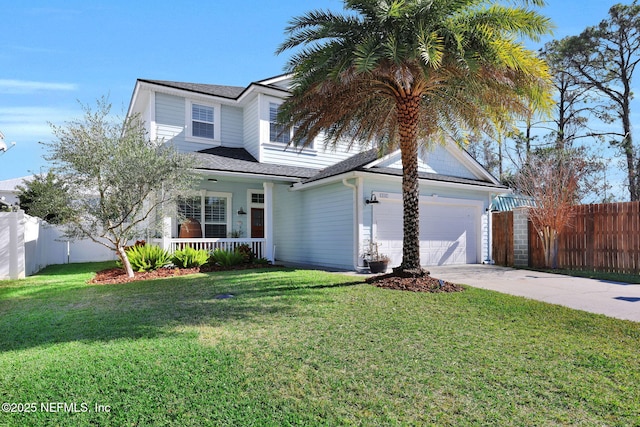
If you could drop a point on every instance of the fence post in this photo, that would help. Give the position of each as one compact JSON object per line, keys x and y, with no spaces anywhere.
{"x":521,"y":236}
{"x":16,"y":245}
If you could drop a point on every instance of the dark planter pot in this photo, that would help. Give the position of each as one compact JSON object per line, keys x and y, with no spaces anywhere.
{"x":377,"y":266}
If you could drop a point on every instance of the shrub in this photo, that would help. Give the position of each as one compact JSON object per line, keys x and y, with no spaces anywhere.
{"x":147,"y":257}
{"x":226,"y":258}
{"x":189,"y":257}
{"x":246,"y":252}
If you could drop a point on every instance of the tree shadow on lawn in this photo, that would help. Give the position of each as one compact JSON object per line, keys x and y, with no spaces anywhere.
{"x":149,"y":309}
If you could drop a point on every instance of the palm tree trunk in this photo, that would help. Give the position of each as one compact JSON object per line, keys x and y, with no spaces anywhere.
{"x":408,"y":110}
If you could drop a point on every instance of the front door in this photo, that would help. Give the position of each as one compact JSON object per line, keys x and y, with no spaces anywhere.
{"x":257,"y":223}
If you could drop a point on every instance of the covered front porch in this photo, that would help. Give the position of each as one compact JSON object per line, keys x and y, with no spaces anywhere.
{"x":233,"y":202}
{"x":223,"y":214}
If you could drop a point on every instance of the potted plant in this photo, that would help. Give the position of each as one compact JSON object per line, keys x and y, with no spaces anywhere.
{"x":377,"y":261}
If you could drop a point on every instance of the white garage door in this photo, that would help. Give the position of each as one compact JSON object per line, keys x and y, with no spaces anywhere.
{"x":448,"y":232}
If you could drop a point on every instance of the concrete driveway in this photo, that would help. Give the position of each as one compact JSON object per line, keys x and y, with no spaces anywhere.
{"x":619,"y":300}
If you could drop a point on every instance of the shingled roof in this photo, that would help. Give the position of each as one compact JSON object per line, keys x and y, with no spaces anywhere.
{"x":226,"y":159}
{"x":240,"y":160}
{"x":353,"y":163}
{"x":360,"y":161}
{"x":231,"y":92}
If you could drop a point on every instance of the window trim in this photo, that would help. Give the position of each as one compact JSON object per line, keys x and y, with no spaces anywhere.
{"x":250,"y":202}
{"x":189,"y":121}
{"x":272,"y":123}
{"x":310,"y":148}
{"x":228,"y":207}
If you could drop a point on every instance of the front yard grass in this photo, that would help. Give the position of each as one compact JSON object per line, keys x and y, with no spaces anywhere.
{"x":295,"y":347}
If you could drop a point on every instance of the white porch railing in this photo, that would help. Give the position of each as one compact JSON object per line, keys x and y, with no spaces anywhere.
{"x":257,"y":245}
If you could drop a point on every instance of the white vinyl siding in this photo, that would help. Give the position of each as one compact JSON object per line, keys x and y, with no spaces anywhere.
{"x":315,"y":226}
{"x":172,"y":113}
{"x":252,"y":128}
{"x":170,"y":119}
{"x":435,"y":159}
{"x":231,"y":126}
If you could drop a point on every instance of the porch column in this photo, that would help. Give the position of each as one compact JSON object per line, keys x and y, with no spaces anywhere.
{"x":167,"y":227}
{"x":268,"y":221}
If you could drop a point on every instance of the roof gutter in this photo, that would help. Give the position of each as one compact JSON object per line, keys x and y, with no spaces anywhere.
{"x":247,"y":175}
{"x":358,"y":174}
{"x":324,"y":181}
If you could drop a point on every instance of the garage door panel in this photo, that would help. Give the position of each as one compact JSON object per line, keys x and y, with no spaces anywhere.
{"x":447,"y":232}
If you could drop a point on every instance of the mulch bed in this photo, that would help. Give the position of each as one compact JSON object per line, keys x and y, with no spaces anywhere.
{"x":118,"y":275}
{"x":424,"y":283}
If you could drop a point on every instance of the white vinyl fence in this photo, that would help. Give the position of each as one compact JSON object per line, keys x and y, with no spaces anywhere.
{"x":28,"y":244}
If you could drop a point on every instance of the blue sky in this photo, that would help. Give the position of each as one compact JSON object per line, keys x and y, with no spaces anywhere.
{"x":56,"y":53}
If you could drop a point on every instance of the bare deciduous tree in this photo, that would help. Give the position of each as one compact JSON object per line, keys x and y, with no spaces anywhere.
{"x":552,"y":179}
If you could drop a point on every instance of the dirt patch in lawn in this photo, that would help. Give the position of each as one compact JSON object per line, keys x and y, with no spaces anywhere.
{"x":423,"y":283}
{"x":118,"y":275}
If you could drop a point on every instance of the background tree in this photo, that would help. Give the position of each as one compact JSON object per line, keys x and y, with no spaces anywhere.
{"x":603,"y":59}
{"x":487,"y":152}
{"x":117,"y":177}
{"x":46,"y":196}
{"x":552,"y":178}
{"x":408,"y":72}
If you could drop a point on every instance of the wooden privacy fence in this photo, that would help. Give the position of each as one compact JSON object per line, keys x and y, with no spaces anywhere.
{"x":604,"y":237}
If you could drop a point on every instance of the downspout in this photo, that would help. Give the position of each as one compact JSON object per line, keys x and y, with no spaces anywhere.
{"x":356,"y":222}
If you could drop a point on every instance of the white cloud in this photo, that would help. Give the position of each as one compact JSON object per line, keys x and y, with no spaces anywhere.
{"x":25,"y":86}
{"x":32,"y":123}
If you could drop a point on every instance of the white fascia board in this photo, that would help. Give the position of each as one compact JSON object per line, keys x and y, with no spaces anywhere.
{"x":134,"y":98}
{"x":438,"y":184}
{"x":255,"y":89}
{"x":329,"y":180}
{"x":263,"y":177}
{"x":382,"y":159}
{"x":276,"y":79}
{"x":458,"y":152}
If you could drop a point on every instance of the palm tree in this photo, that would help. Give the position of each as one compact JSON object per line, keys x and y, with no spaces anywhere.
{"x":406,"y":73}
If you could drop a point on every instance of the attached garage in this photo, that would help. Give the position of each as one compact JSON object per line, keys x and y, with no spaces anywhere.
{"x":449,"y":229}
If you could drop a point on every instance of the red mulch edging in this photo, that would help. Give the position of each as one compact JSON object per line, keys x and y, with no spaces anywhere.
{"x":423,"y":283}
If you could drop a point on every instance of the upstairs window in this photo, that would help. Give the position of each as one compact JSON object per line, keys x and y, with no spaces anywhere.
{"x":202,"y":121}
{"x":277,"y":133}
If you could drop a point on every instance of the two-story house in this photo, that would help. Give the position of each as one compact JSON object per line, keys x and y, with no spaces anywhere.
{"x":312,"y":205}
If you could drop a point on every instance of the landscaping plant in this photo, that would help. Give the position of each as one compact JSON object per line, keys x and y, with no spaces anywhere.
{"x":189,"y":257}
{"x":246,"y":252}
{"x":147,"y":257}
{"x":227,"y":258}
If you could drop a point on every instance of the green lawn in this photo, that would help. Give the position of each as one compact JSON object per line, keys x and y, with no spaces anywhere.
{"x":304,"y":348}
